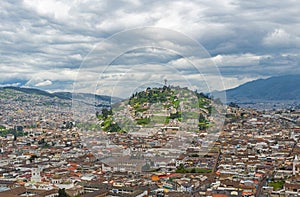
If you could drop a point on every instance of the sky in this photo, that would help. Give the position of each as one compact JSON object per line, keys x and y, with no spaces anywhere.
{"x":51,"y":44}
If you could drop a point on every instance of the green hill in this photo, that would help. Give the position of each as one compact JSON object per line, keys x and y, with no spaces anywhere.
{"x":166,"y":106}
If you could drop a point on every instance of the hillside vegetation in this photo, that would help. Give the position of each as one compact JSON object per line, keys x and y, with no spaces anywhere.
{"x":157,"y":107}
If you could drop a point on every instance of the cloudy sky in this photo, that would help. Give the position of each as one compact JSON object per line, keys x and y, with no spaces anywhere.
{"x":43,"y":43}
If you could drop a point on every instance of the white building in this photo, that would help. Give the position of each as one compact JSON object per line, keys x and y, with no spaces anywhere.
{"x":36,"y":174}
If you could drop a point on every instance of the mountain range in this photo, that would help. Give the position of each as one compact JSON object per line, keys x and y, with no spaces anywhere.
{"x":88,"y":98}
{"x":277,"y":88}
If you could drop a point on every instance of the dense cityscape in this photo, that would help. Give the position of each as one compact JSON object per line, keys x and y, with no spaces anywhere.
{"x":132,"y":98}
{"x":43,"y":154}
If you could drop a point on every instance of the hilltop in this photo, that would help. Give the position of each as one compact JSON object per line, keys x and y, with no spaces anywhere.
{"x":165,"y":106}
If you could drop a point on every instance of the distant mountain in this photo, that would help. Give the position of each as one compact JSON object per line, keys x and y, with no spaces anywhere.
{"x":274,"y":88}
{"x":99,"y":99}
{"x":30,"y":91}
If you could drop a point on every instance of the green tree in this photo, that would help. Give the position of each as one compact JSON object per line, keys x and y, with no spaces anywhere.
{"x":202,"y":122}
{"x":181,"y":169}
{"x":62,"y":193}
{"x":106,"y":112}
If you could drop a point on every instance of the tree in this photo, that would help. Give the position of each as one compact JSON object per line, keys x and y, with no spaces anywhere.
{"x":106,"y":112}
{"x":180,"y":169}
{"x":42,"y":141}
{"x":62,"y":193}
{"x":201,"y":118}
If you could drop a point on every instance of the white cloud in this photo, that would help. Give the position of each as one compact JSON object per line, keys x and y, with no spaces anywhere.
{"x":237,"y":59}
{"x":43,"y":83}
{"x":10,"y":84}
{"x":280,"y":38}
{"x":52,"y":8}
